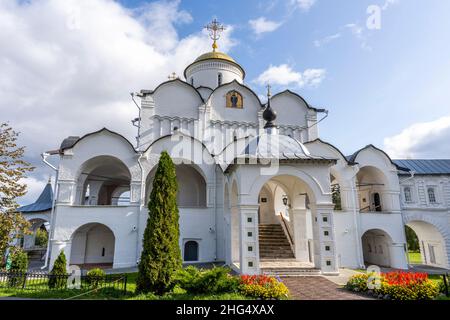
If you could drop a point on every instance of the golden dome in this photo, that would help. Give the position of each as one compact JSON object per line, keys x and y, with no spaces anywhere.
{"x":215,"y":55}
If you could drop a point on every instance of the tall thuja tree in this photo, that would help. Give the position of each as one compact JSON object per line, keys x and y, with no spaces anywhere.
{"x":161,"y":255}
{"x":12,"y":170}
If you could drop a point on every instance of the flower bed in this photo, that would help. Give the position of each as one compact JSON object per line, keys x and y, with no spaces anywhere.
{"x":263,"y":287}
{"x":219,"y":281}
{"x":395,"y":285}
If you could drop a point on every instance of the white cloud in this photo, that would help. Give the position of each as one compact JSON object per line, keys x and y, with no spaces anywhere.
{"x":327,"y":39}
{"x":67,"y":67}
{"x":303,"y":5}
{"x":389,"y":3}
{"x":358,"y":32}
{"x":262,"y":25}
{"x":284,"y":75}
{"x":421,"y":140}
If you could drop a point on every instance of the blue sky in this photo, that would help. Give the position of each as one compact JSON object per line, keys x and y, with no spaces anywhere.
{"x":372,"y":93}
{"x":68,"y":66}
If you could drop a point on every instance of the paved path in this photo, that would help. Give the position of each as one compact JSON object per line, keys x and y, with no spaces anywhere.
{"x":318,"y":288}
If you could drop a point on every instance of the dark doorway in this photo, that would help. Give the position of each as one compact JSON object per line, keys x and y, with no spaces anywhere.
{"x":191,"y":251}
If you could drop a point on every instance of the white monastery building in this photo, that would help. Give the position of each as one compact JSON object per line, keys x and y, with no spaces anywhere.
{"x":258,"y":188}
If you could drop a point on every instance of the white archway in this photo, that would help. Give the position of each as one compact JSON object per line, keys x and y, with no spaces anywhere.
{"x":377,"y":245}
{"x":92,"y":245}
{"x":434,"y":239}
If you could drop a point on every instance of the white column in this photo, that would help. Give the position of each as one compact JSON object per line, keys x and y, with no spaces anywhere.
{"x":298,"y":217}
{"x":398,"y":256}
{"x":58,"y":246}
{"x":326,"y":244}
{"x":248,"y":239}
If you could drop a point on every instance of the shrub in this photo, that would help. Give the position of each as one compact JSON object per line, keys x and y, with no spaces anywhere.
{"x":161,"y":254}
{"x":58,"y":275}
{"x":263,"y":287}
{"x":19,"y":266}
{"x":95,"y":277}
{"x":358,"y":283}
{"x":19,"y":260}
{"x":215,"y":280}
{"x":41,"y":238}
{"x":398,"y":285}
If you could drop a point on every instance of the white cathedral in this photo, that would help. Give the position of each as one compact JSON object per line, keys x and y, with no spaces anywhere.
{"x":258,"y":189}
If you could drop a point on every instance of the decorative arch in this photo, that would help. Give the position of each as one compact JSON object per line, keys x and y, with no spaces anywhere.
{"x":93,"y":244}
{"x":234,"y":82}
{"x":316,"y":190}
{"x":101,"y":176}
{"x":103,"y":130}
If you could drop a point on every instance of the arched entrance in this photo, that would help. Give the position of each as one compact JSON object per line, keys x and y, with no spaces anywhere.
{"x":93,"y":245}
{"x":103,"y":180}
{"x":377,"y":248}
{"x":371,"y":185}
{"x":285,"y":216}
{"x":430,"y":244}
{"x":191,"y":186}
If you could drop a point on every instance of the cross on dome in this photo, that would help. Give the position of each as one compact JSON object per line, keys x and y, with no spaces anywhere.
{"x":214,"y":28}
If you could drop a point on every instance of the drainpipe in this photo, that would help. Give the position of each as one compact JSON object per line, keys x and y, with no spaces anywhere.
{"x":141,"y":154}
{"x":141,"y":206}
{"x":52,"y":213}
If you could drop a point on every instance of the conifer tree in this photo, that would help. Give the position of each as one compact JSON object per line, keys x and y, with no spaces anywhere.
{"x":58,"y":275}
{"x":161,"y":255}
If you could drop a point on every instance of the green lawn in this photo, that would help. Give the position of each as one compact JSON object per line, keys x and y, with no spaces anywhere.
{"x":109,"y":294}
{"x":414,"y":257}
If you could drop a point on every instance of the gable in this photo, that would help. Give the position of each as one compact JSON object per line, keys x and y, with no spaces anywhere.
{"x":177,"y":99}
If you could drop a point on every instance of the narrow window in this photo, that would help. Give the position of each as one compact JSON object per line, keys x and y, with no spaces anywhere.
{"x":103,"y":252}
{"x":191,"y":251}
{"x":431,"y":195}
{"x":192,"y":81}
{"x":407,"y":194}
{"x":219,"y":79}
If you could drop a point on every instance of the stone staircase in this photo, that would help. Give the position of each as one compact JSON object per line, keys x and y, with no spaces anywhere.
{"x":273,"y":243}
{"x":276,"y":256}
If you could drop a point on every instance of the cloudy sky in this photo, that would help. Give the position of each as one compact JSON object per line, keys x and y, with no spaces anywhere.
{"x":67,"y":67}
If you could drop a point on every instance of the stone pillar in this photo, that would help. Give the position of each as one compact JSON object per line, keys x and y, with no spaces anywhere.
{"x":298,"y":217}
{"x":326,"y":244}
{"x":398,"y":256}
{"x":248,"y":239}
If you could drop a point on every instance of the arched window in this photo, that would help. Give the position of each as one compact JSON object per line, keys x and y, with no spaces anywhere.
{"x":431,"y":195}
{"x":191,"y":251}
{"x":219,"y":79}
{"x":407,"y":193}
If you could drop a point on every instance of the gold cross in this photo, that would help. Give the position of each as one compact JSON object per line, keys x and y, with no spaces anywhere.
{"x":172,"y":76}
{"x":214,"y":28}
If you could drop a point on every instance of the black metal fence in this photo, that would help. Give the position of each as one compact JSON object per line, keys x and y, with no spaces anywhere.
{"x":43,"y":281}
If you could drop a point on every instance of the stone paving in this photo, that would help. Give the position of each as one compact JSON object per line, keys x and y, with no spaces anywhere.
{"x":318,"y":288}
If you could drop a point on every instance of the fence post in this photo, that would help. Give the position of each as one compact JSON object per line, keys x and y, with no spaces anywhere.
{"x":445,"y":283}
{"x":125,"y":284}
{"x":24,"y":274}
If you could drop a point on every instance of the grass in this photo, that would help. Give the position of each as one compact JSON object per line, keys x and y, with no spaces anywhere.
{"x":111,"y":294}
{"x":414,"y":257}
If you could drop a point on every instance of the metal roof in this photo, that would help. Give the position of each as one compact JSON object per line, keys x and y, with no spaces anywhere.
{"x":431,"y":166}
{"x":43,"y":203}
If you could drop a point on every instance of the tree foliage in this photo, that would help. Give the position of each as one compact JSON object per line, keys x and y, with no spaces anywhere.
{"x":12,"y":170}
{"x":412,"y":240}
{"x":161,"y":255}
{"x":59,"y":271}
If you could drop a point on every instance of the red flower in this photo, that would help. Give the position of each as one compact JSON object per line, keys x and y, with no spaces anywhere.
{"x":404,"y":278}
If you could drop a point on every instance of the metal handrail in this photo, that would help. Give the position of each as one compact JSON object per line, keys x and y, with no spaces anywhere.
{"x":287,"y":228}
